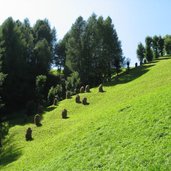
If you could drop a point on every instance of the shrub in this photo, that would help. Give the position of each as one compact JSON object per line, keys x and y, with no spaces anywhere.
{"x":82,"y":89}
{"x":37,"y":119}
{"x":101,"y":88}
{"x":28,"y":134}
{"x":64,"y":114}
{"x":72,"y":82}
{"x":84,"y":101}
{"x":87,"y":88}
{"x":77,"y":99}
{"x":53,"y":93}
{"x":4,"y":128}
{"x":40,"y":88}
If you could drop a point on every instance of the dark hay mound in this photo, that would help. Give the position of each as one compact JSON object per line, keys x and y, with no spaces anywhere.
{"x":82,"y":89}
{"x":37,"y":119}
{"x":28,"y":135}
{"x":84,"y":101}
{"x":101,"y":88}
{"x":64,"y":114}
{"x":87,"y":89}
{"x":77,"y":99}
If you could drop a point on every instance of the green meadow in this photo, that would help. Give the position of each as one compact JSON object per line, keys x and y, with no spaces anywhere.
{"x":127,"y":127}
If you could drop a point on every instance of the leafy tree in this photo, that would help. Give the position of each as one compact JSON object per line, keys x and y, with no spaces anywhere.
{"x":73,"y":82}
{"x":148,"y":50}
{"x":54,"y":92}
{"x":161,"y":46}
{"x":42,"y":58}
{"x":140,"y":52}
{"x":3,"y":126}
{"x":60,"y":54}
{"x":40,"y":87}
{"x":13,"y":53}
{"x":167,"y":44}
{"x":75,"y":47}
{"x":92,"y":48}
{"x":155,"y":46}
{"x":42,"y":31}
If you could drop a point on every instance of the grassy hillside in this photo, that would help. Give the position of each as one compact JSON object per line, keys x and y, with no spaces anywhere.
{"x":128,"y":127}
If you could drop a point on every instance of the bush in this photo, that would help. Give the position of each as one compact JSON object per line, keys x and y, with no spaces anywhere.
{"x":4,"y":128}
{"x":82,"y":89}
{"x":40,"y":88}
{"x":37,"y":119}
{"x":54,"y":92}
{"x":101,"y":88}
{"x":87,"y":88}
{"x":64,"y":114}
{"x":28,"y":134}
{"x":77,"y":99}
{"x":72,"y":82}
{"x":84,"y":101}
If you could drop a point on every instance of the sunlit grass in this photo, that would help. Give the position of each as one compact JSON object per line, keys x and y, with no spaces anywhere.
{"x":128,"y":127}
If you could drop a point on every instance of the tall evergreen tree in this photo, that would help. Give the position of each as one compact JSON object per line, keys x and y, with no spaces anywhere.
{"x":14,"y":62}
{"x":140,"y":52}
{"x":161,"y":46}
{"x":148,"y":49}
{"x":75,"y":47}
{"x":167,"y":44}
{"x":155,"y":46}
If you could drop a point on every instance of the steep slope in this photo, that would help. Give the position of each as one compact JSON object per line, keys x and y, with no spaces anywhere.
{"x":128,"y":127}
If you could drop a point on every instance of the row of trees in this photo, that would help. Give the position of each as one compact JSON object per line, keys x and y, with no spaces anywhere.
{"x":92,"y":49}
{"x":154,"y":47}
{"x":88,"y":54}
{"x":25,"y":53}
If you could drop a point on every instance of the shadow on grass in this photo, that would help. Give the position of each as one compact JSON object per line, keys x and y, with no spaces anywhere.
{"x":49,"y":109}
{"x":66,"y":117}
{"x":10,"y":154}
{"x":131,"y":75}
{"x":20,"y":118}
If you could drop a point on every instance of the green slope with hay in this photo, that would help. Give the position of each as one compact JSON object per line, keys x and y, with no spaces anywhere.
{"x":128,"y":127}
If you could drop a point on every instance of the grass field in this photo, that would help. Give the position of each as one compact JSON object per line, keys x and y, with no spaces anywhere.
{"x":128,"y":127}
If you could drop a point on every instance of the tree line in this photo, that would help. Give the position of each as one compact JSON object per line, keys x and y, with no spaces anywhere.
{"x":88,"y":54}
{"x":154,"y":47}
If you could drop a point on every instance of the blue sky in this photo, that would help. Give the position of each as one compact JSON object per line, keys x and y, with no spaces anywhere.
{"x":133,"y":19}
